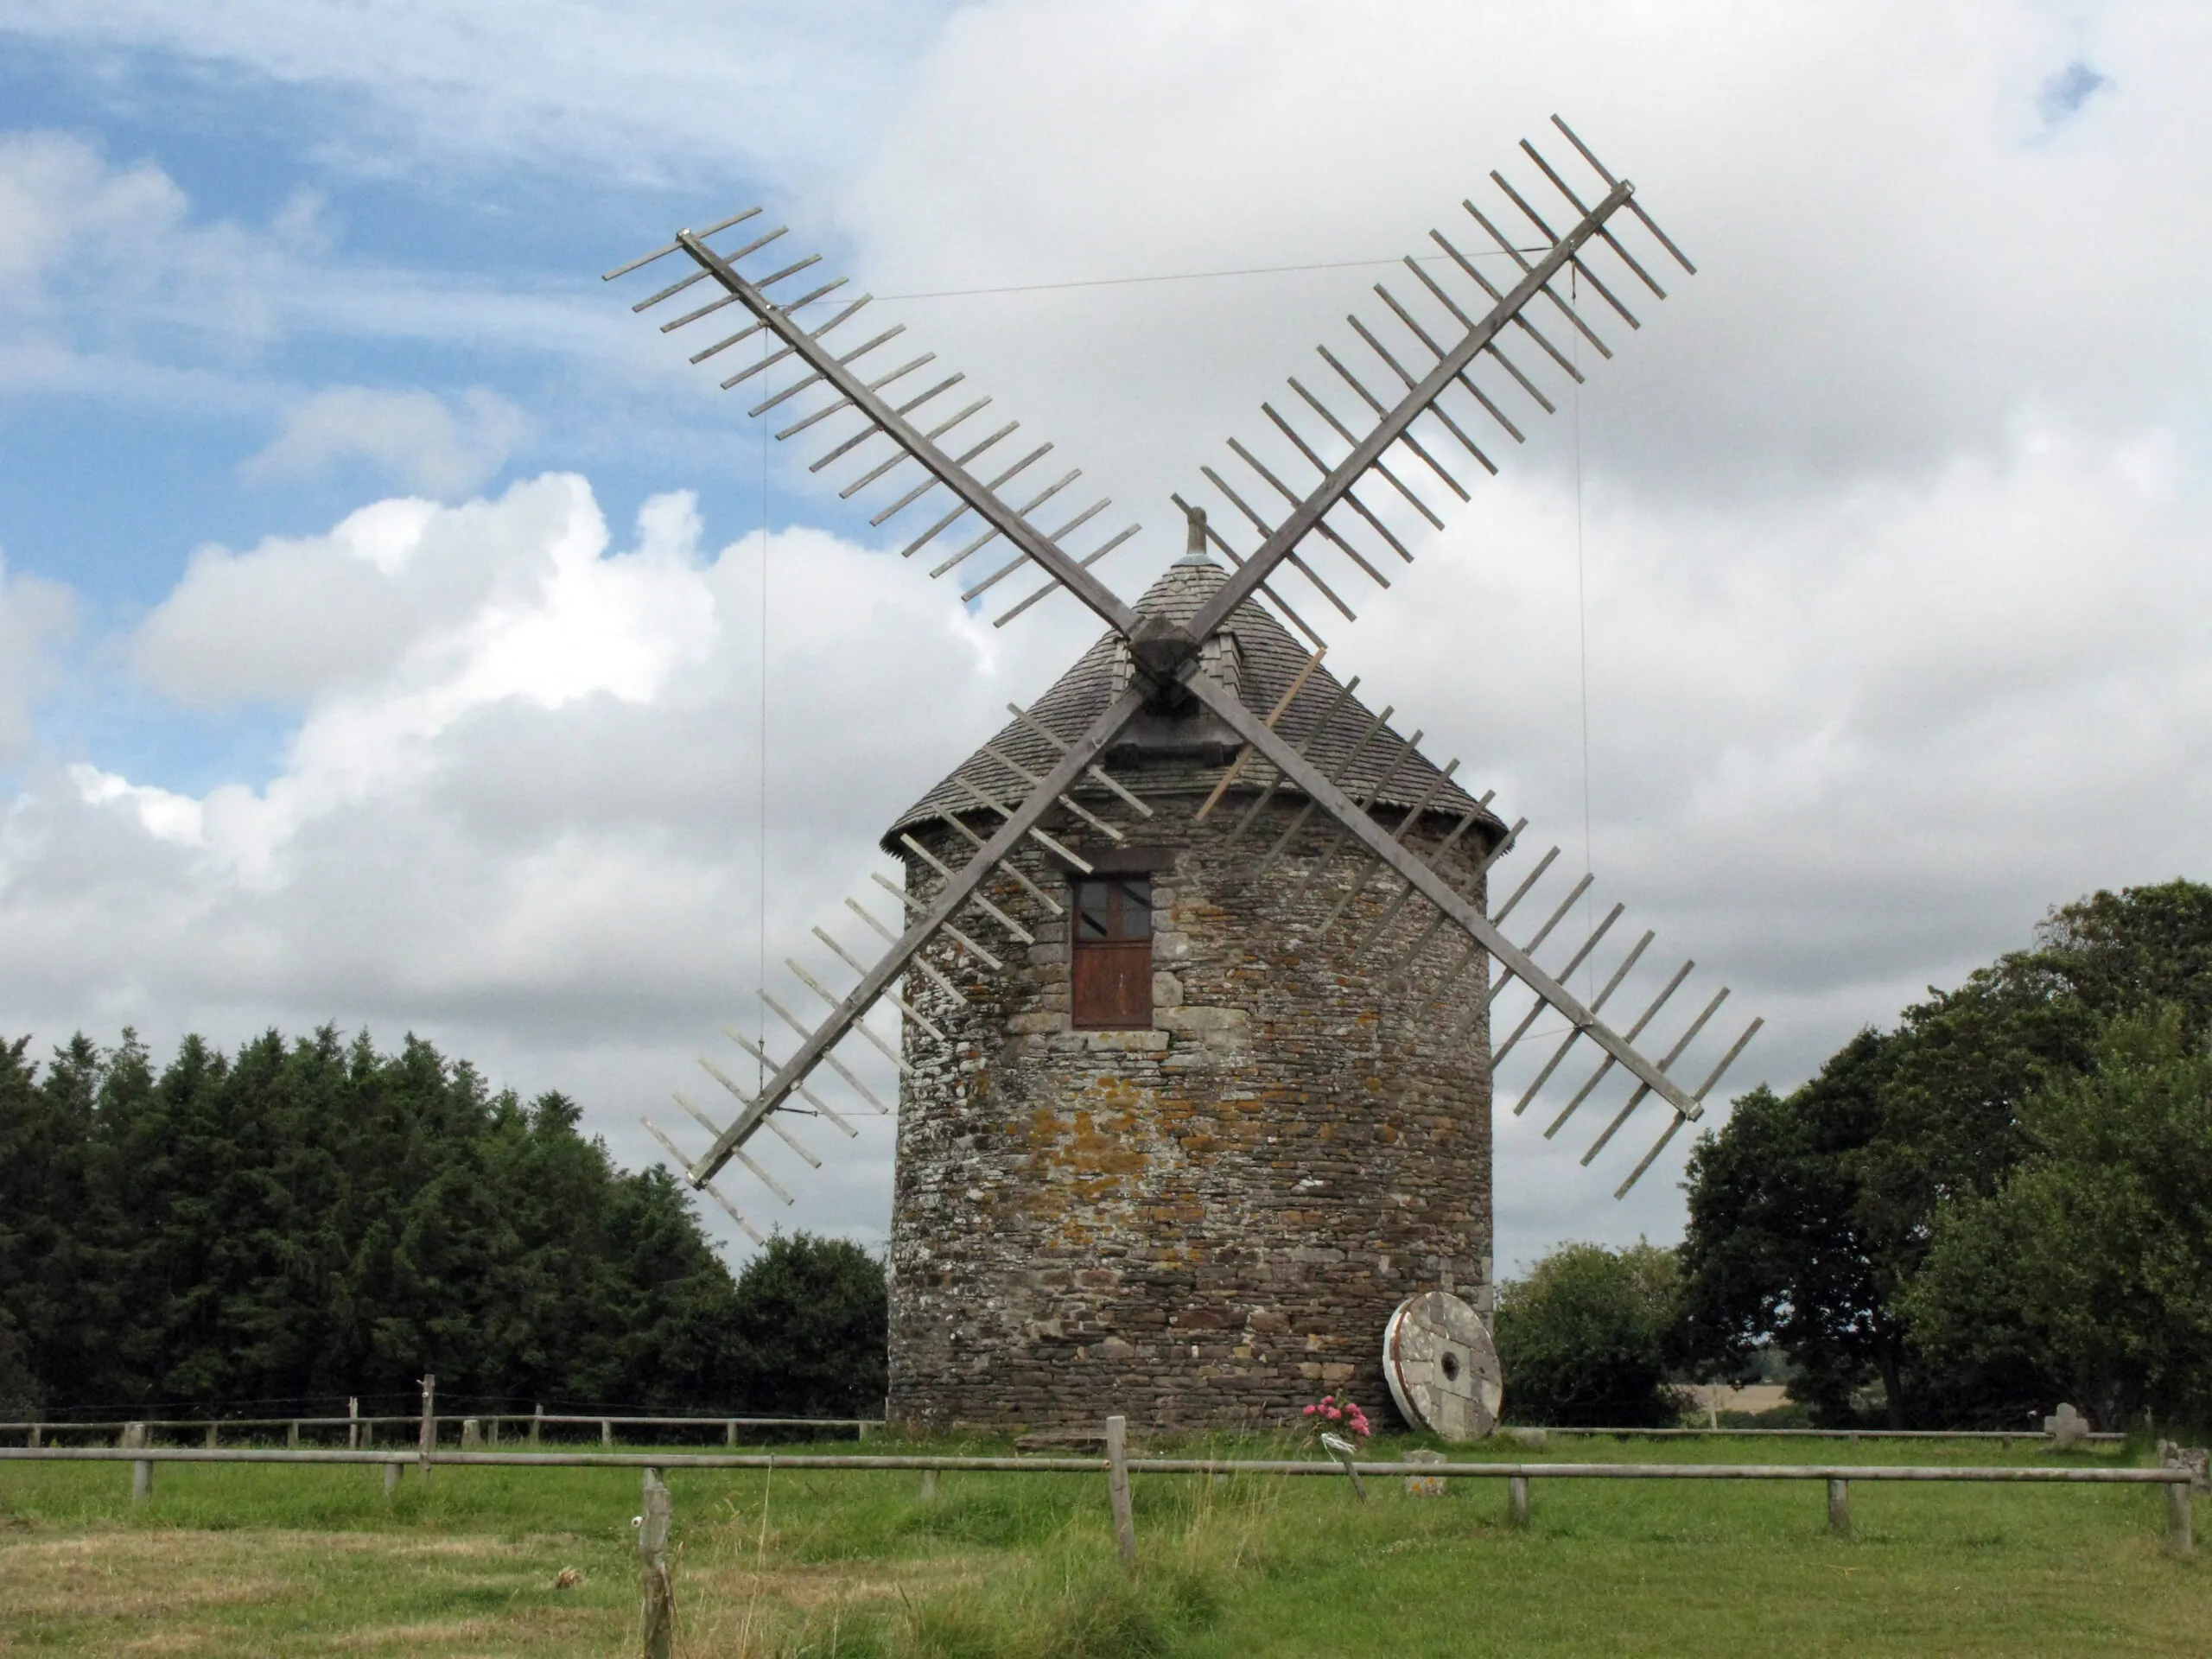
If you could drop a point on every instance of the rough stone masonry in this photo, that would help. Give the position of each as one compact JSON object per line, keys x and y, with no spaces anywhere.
{"x":1205,"y":1221}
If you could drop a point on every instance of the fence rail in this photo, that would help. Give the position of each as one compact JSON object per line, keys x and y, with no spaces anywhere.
{"x":1118,"y":1467}
{"x":1091,"y":1465}
{"x":36,"y":1434}
{"x":864,"y":1427}
{"x":2003,"y":1435}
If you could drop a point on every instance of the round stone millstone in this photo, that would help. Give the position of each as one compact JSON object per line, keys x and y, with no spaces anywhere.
{"x":1442,"y":1367}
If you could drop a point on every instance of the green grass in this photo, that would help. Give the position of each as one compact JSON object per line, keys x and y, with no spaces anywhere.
{"x":272,"y":1559}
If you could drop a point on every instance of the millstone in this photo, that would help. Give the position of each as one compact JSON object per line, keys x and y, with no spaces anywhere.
{"x":1442,"y":1367}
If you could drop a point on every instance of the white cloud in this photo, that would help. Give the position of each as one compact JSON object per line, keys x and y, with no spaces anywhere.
{"x":520,"y":809}
{"x":115,"y":285}
{"x":164,"y":814}
{"x":104,"y":253}
{"x":643,"y":89}
{"x":1890,"y":253}
{"x":443,"y":447}
{"x":58,"y":196}
{"x":1839,"y":751}
{"x":34,"y":615}
{"x":408,"y":621}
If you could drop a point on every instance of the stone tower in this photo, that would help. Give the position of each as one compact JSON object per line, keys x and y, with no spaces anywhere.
{"x":1189,"y":1152}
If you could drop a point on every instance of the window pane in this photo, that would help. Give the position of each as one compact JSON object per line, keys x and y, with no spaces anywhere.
{"x":1092,"y":921}
{"x":1136,"y":906}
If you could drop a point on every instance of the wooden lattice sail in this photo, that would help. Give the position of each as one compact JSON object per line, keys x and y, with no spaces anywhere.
{"x":1389,"y":423}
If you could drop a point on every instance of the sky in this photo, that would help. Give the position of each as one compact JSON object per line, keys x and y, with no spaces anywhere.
{"x":396,"y":632}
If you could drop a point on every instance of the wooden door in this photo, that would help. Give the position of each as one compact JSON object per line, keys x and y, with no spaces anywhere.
{"x":1110,"y":965}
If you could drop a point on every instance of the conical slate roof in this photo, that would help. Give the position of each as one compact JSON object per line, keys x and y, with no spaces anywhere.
{"x":1266,"y":661}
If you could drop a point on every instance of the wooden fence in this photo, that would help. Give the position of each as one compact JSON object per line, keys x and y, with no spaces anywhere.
{"x":360,"y":1431}
{"x":2003,"y":1436}
{"x":1118,"y":1466}
{"x":658,"y":1618}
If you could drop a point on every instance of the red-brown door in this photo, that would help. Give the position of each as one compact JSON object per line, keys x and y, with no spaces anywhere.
{"x":1110,"y":970}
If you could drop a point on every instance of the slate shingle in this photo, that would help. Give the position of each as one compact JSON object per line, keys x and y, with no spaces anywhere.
{"x":1270,"y":659}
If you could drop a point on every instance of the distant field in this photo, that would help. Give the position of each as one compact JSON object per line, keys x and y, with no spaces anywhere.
{"x":315,"y":1561}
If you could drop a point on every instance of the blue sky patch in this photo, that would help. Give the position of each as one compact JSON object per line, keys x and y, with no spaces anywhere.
{"x":2059,"y":99}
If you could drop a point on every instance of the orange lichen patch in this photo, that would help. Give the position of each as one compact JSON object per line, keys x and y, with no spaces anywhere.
{"x":1115,"y":1151}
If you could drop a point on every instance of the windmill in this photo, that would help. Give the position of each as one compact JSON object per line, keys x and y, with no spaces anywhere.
{"x":1204,"y":723}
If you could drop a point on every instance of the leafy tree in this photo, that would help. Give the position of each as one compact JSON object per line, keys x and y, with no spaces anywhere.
{"x":1812,"y":1215}
{"x":815,"y":1314}
{"x":1583,"y":1338}
{"x":2093,"y":1262}
{"x":1774,"y":1250}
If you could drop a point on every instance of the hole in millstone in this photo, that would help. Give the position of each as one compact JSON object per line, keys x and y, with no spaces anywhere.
{"x":1451,"y":1366}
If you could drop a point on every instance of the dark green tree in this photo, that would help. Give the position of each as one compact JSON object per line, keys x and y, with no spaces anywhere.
{"x":1774,"y":1250}
{"x":815,"y":1319}
{"x":2091,"y":1265}
{"x":1812,"y":1215}
{"x":313,"y":1218}
{"x":1583,"y":1339}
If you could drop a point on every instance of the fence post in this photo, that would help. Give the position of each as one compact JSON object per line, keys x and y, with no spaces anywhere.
{"x":652,"y":1550}
{"x":142,"y":1469}
{"x":491,"y":1429}
{"x":292,"y":1433}
{"x":606,"y":1432}
{"x":427,"y":1438}
{"x":729,"y":1432}
{"x":392,"y":1470}
{"x":472,"y":1435}
{"x":352,"y":1423}
{"x":1347,"y":1454}
{"x":1517,"y":1500}
{"x":35,"y":1437}
{"x":1117,"y":1487}
{"x":536,"y":1423}
{"x":1839,"y":1507}
{"x":2180,"y":1537}
{"x":929,"y":1485}
{"x":211,"y":1436}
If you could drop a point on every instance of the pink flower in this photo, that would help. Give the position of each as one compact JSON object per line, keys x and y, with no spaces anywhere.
{"x":1341,"y":1409}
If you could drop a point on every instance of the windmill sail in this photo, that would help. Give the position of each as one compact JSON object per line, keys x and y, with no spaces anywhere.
{"x":1412,"y":436}
{"x":1516,"y":963}
{"x":960,"y":890}
{"x":1459,"y":364}
{"x":958,"y":459}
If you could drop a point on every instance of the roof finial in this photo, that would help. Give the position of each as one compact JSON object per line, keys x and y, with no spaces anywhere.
{"x":1194,"y":549}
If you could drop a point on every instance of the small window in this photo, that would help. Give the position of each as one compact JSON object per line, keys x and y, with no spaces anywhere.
{"x":1111,"y":960}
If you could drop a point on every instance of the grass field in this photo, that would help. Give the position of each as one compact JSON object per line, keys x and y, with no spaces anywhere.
{"x":274,"y":1559}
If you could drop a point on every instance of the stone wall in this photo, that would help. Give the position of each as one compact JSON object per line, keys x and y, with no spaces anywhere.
{"x":1206,"y":1222}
